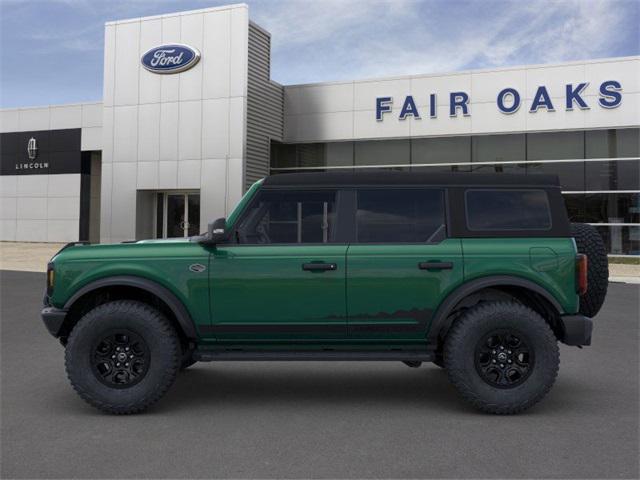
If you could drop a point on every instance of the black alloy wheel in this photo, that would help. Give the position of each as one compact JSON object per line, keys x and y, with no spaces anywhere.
{"x":120,"y":359}
{"x":504,"y":358}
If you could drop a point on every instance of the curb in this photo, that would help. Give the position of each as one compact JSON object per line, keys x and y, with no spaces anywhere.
{"x":621,"y":279}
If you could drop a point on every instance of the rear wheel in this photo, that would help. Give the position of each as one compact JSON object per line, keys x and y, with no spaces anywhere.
{"x":122,"y":356}
{"x":589,"y":242}
{"x":502,"y":357}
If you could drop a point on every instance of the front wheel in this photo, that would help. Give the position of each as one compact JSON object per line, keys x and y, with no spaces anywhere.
{"x":122,"y":356}
{"x":502,"y":357}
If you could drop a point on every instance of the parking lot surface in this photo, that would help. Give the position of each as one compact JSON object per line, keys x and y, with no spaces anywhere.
{"x":317,"y":420}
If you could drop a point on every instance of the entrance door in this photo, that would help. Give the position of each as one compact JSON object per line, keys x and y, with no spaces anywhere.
{"x":401,"y":265}
{"x":178,"y":214}
{"x":285,"y":276}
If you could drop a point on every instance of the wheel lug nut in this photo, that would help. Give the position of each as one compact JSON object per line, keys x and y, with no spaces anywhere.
{"x":118,"y":364}
{"x":130,"y":356}
{"x":508,"y":361}
{"x":126,"y":364}
{"x":502,"y":365}
{"x":493,"y":351}
{"x":127,"y":349}
{"x":113,"y":356}
{"x":508,"y":351}
{"x":501,"y":347}
{"x":493,"y":361}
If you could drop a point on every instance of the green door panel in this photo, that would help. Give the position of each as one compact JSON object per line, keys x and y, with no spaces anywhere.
{"x":548,"y":262}
{"x":262,"y":293}
{"x":389,"y":297}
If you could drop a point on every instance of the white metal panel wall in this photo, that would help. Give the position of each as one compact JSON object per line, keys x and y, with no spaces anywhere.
{"x":40,"y":208}
{"x":346,"y":110}
{"x":87,"y":116}
{"x":177,"y":131}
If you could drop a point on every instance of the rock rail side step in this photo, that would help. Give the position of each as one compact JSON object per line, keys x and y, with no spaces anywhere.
{"x":319,"y":355}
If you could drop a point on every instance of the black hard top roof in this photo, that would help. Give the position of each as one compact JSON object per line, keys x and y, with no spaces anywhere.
{"x":387,"y":177}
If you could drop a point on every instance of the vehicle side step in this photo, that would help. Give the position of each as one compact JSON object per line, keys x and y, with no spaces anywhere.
{"x":319,"y":355}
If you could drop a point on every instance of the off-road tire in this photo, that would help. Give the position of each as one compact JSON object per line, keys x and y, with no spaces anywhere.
{"x":147,"y":323}
{"x":460,"y":356}
{"x":589,"y":242}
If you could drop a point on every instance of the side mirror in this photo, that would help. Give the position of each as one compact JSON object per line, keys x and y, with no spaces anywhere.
{"x":216,"y":233}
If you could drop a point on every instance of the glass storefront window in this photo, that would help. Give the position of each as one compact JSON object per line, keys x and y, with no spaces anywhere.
{"x":382,"y":152}
{"x":613,"y":175}
{"x":571,"y":174}
{"x":339,"y":154}
{"x":558,"y":146}
{"x":621,"y":240}
{"x":612,"y":208}
{"x":441,"y":150}
{"x":612,"y":143}
{"x":311,"y":154}
{"x":442,"y":168}
{"x":575,"y":207}
{"x":283,"y":155}
{"x":555,"y":146}
{"x":499,"y":168}
{"x":499,"y":148}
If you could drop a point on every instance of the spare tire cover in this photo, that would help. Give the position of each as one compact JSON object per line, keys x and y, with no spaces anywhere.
{"x":589,"y":242}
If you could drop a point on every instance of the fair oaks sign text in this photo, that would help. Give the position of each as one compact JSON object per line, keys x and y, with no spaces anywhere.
{"x":508,"y":100}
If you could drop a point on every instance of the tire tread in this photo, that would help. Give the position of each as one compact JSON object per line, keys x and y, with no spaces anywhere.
{"x":162,"y":325}
{"x":454,"y":361}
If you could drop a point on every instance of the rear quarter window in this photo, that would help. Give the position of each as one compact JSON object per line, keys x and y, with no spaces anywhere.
{"x":494,"y":209}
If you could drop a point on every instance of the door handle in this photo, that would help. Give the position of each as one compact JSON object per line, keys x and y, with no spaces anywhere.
{"x":435,"y":265}
{"x":319,"y":267}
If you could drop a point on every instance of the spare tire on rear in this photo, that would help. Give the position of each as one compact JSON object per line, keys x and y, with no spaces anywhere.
{"x":589,"y":242}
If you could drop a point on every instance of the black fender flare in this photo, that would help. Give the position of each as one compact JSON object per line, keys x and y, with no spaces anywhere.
{"x":441,"y":322}
{"x":174,"y":303}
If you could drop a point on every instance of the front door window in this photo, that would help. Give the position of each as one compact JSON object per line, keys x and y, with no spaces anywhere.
{"x":178,"y":215}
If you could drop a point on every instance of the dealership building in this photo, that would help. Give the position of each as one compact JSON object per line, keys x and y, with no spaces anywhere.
{"x":190,"y":118}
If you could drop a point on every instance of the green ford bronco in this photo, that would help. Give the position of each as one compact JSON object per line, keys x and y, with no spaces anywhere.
{"x":480,"y":274}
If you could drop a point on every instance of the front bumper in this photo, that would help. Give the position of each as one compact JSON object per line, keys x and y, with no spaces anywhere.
{"x":576,"y":330}
{"x":53,"y":319}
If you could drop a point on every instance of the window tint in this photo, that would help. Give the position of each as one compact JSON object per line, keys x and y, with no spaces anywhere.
{"x":508,"y":210}
{"x":289,"y":217}
{"x":407,"y":216}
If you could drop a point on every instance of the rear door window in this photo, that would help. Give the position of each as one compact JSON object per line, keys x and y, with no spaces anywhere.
{"x":399,"y":215}
{"x":525,"y":209}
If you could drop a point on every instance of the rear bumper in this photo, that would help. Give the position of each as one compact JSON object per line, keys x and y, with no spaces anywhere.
{"x":576,"y":330}
{"x":53,"y":319}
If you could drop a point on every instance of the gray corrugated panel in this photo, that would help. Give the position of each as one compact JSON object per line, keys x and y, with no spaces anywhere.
{"x":265,"y":105}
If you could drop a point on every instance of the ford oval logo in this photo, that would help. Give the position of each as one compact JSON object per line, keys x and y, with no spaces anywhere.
{"x":171,"y":58}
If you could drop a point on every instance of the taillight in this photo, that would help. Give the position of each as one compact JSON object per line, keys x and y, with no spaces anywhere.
{"x":581,"y":274}
{"x":51,"y":276}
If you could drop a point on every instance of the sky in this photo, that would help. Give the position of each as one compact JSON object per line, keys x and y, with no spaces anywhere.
{"x":51,"y":51}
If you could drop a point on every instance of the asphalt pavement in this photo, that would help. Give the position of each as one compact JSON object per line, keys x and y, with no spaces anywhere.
{"x":317,"y":420}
